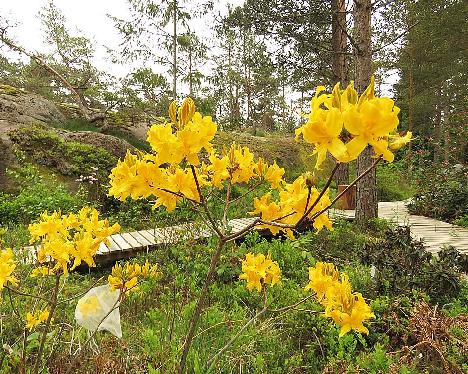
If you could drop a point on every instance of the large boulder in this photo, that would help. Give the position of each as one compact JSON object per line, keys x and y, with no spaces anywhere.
{"x":21,"y":107}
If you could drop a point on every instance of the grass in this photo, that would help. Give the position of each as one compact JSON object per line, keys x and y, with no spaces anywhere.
{"x":154,"y":319}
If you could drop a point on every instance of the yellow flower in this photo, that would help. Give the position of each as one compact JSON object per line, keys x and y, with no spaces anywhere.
{"x":321,"y":278}
{"x":41,"y":271}
{"x":125,"y":278}
{"x":186,"y":111}
{"x":7,"y":266}
{"x":33,"y":320}
{"x":173,"y":111}
{"x":219,"y":170}
{"x":370,"y":122}
{"x":334,"y":292}
{"x":323,"y":128}
{"x":257,"y":269}
{"x":291,"y":206}
{"x":397,"y":141}
{"x":274,"y":175}
{"x":67,"y":240}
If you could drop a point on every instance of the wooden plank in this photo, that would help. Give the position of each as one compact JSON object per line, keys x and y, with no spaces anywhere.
{"x":131,"y":240}
{"x":121,"y":242}
{"x":102,"y":250}
{"x":141,"y":239}
{"x":148,"y":236}
{"x":113,"y":246}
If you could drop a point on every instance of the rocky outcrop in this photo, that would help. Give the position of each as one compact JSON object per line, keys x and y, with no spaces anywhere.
{"x":115,"y":146}
{"x":20,"y":107}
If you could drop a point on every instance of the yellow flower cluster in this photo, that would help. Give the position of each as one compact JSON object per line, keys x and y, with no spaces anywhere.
{"x":33,"y":320}
{"x":294,"y":201}
{"x":167,"y":174}
{"x":125,"y":278}
{"x":194,"y":133}
{"x":258,"y":270}
{"x":347,"y":309}
{"x":7,"y":266}
{"x":67,"y":240}
{"x":367,"y":119}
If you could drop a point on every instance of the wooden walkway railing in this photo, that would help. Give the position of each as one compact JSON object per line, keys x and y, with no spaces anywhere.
{"x":435,"y":233}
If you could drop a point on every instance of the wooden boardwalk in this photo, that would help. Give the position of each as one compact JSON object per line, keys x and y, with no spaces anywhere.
{"x":435,"y":234}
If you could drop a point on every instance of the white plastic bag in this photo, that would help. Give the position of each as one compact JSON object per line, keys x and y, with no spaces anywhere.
{"x":93,"y":307}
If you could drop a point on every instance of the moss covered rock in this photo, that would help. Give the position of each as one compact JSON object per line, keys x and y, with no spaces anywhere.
{"x":69,"y":153}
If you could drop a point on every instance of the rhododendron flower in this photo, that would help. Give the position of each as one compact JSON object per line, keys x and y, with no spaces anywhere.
{"x":125,"y":278}
{"x":258,"y":270}
{"x":68,"y":240}
{"x":33,"y":320}
{"x":334,"y":292}
{"x":7,"y":266}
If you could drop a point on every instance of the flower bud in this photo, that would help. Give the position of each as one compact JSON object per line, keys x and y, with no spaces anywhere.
{"x":173,"y":112}
{"x":186,"y":111}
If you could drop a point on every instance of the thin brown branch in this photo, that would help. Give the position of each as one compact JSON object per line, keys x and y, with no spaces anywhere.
{"x":200,"y":305}
{"x":324,"y":189}
{"x":367,"y":171}
{"x":205,"y":206}
{"x":178,"y":194}
{"x":53,"y":306}
{"x":396,"y":38}
{"x":28,"y":295}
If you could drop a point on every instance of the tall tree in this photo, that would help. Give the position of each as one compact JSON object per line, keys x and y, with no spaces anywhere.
{"x":366,"y":189}
{"x":340,"y":64}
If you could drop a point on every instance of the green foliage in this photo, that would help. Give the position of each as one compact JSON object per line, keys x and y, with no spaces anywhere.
{"x":402,"y":265}
{"x":67,"y":157}
{"x":75,"y":124}
{"x":392,"y":182}
{"x":36,"y":195}
{"x":130,"y":138}
{"x":8,"y":90}
{"x":442,"y":193}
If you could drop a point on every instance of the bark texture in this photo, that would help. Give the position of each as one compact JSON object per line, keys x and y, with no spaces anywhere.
{"x":339,"y":64}
{"x":366,"y":191}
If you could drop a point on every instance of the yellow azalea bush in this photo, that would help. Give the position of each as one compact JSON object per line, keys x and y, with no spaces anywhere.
{"x":333,"y":290}
{"x":174,"y":171}
{"x":64,"y":242}
{"x":67,"y":240}
{"x":259,"y":270}
{"x":126,"y":278}
{"x":184,"y":164}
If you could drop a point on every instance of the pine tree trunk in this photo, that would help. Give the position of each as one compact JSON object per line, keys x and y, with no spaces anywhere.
{"x":190,"y":73}
{"x":339,"y":65}
{"x":366,"y":191}
{"x":410,"y":116}
{"x":174,"y":52}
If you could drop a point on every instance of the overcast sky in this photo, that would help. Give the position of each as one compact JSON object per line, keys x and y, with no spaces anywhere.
{"x":90,"y":16}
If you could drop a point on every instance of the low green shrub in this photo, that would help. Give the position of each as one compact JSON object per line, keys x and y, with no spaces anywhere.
{"x":442,"y":193}
{"x":35,"y":196}
{"x":392,"y":182}
{"x":67,"y":157}
{"x":402,"y":265}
